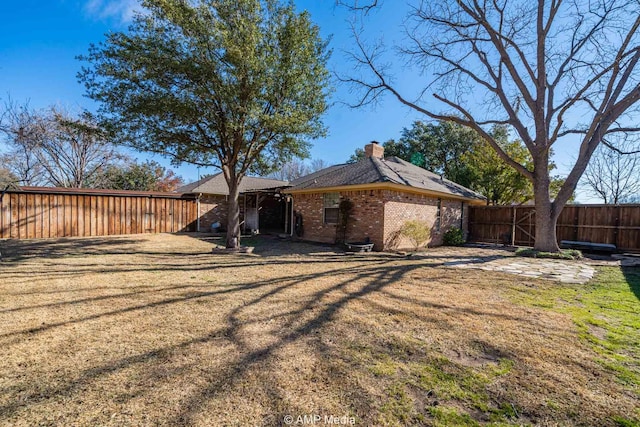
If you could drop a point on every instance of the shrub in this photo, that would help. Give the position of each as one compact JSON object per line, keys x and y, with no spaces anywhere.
{"x":453,"y":237}
{"x":565,"y":254}
{"x":417,"y":232}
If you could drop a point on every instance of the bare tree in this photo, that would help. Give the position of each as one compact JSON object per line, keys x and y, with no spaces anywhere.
{"x":7,"y":178}
{"x":291,"y":170}
{"x":317,"y":164}
{"x":52,"y":147}
{"x":613,"y":176}
{"x":74,"y":150}
{"x":21,"y":127}
{"x":296,"y":168}
{"x":552,"y":70}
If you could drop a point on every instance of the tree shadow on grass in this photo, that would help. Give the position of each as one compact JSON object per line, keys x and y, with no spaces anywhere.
{"x":632,"y":276}
{"x":15,"y":251}
{"x":375,"y":279}
{"x":300,"y":320}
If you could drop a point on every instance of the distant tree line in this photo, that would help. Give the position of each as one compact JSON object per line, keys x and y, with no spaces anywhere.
{"x":53,"y":147}
{"x":297,"y":168}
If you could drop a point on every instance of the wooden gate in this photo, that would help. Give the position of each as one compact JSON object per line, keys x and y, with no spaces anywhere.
{"x":614,"y":224}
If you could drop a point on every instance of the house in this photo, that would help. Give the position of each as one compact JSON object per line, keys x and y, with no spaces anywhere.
{"x":262,"y":206}
{"x":386,"y":192}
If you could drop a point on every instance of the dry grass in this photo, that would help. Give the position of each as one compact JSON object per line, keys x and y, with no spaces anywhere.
{"x":155,"y":330}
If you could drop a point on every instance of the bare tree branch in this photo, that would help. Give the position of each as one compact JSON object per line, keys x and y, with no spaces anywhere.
{"x":551,"y":70}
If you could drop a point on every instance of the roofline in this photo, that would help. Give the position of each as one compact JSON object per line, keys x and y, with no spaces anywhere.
{"x":99,"y":192}
{"x":386,"y":186}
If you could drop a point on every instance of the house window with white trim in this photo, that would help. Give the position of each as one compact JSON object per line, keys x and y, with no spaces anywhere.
{"x":331,"y":204}
{"x":436,"y":226}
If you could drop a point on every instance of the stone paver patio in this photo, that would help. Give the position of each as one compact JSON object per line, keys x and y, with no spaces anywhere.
{"x":505,"y":261}
{"x":560,"y":270}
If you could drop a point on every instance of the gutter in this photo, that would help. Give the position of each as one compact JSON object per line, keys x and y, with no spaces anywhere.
{"x":388,"y":186}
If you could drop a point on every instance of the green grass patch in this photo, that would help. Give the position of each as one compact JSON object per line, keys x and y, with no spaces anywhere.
{"x":451,"y":417}
{"x":568,"y":254}
{"x":399,"y":409}
{"x":606,"y":313}
{"x":623,"y":422}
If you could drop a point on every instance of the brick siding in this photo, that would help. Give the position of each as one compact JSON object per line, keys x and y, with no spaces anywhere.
{"x":366,"y":220}
{"x":378,"y":215}
{"x":213,"y":208}
{"x":401,"y":207}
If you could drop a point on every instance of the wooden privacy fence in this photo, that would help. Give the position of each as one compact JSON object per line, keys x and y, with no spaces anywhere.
{"x":615,"y":224}
{"x":39,"y":212}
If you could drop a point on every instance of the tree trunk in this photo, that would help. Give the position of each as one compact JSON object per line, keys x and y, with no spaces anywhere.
{"x":546,"y":217}
{"x":233,"y":213}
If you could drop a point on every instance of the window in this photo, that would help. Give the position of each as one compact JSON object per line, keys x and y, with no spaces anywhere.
{"x":436,"y":226}
{"x":331,"y":207}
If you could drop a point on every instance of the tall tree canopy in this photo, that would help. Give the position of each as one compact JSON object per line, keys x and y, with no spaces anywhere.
{"x":438,"y":147}
{"x":551,"y":70}
{"x":236,"y":84}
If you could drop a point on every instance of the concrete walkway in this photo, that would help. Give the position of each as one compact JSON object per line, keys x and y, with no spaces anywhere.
{"x":505,"y":261}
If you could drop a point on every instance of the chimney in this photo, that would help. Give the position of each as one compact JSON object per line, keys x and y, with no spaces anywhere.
{"x":374,"y":150}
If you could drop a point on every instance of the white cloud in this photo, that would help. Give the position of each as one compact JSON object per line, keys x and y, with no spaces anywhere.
{"x":121,"y":10}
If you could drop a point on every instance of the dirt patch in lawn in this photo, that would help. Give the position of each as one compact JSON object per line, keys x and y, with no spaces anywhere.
{"x":156,"y":330}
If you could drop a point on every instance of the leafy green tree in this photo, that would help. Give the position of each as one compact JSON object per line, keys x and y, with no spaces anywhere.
{"x":438,"y":147}
{"x":357,"y":155}
{"x":147,"y":176}
{"x":236,"y":84}
{"x":496,"y":180}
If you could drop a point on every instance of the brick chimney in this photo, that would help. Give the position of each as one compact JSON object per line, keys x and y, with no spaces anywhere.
{"x":374,"y":150}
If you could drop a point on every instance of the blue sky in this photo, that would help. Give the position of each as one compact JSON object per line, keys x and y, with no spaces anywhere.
{"x":39,"y":41}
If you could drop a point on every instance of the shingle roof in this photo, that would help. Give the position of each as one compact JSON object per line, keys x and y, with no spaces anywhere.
{"x":216,"y":184}
{"x":375,"y":170}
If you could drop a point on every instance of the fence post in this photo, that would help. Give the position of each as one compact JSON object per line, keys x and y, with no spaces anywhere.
{"x":513,"y":226}
{"x":616,"y":231}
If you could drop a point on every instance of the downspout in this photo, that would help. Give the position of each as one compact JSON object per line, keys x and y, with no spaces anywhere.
{"x":292,"y":221}
{"x":244,"y":222}
{"x":198,"y":210}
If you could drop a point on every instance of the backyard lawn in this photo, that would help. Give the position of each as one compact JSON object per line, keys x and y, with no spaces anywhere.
{"x":157,"y":330}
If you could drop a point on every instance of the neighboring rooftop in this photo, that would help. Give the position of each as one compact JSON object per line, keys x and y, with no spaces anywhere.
{"x":376,"y":169}
{"x":216,"y":184}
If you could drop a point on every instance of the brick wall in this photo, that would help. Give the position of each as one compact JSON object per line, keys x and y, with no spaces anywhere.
{"x":366,"y":221}
{"x":378,"y":215}
{"x":401,"y":207}
{"x":213,"y":208}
